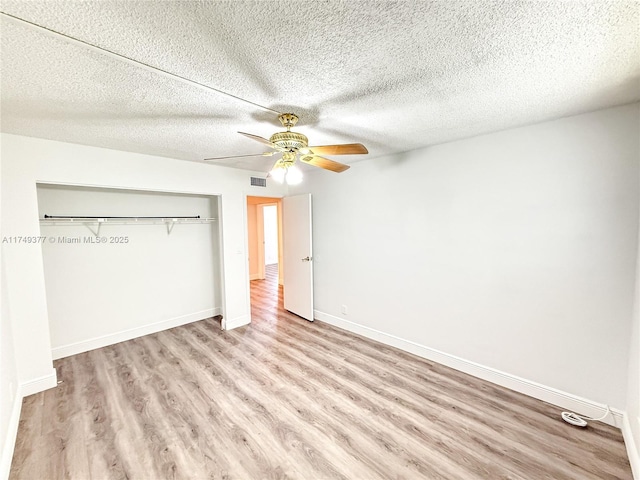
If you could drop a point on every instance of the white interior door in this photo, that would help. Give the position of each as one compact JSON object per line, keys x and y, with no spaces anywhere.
{"x":298,"y":256}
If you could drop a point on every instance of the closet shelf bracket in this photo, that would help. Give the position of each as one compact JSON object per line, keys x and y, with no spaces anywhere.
{"x":95,"y":232}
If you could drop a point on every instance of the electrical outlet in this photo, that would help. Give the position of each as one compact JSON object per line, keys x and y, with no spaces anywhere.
{"x":343,"y":309}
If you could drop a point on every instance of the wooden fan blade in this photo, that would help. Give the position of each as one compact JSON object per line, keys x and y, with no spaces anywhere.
{"x":265,"y":154}
{"x":344,"y":149}
{"x":259,"y":139}
{"x":324,"y":163}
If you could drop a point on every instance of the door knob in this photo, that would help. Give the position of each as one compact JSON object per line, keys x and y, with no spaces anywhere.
{"x":306,"y":259}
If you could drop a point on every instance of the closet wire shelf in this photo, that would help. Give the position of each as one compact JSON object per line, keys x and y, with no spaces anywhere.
{"x":97,"y":222}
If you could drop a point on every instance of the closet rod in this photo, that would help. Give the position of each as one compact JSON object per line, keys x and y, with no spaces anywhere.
{"x":119,"y":218}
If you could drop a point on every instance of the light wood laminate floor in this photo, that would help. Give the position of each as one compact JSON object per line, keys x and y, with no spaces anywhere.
{"x":286,"y":398}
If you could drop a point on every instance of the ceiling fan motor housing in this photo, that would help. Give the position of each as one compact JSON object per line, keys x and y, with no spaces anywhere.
{"x":291,"y":141}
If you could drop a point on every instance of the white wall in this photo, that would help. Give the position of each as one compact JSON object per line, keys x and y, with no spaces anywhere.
{"x":9,"y":396}
{"x":514,"y":250}
{"x":27,"y":161}
{"x":102,"y":293}
{"x":632,"y":421}
{"x":631,"y":427}
{"x":10,"y":399}
{"x":270,"y":234}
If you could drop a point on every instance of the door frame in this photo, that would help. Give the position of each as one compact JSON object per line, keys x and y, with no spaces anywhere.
{"x":274,"y":201}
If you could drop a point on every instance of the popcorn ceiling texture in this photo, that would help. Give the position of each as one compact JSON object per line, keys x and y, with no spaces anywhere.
{"x":394,"y":75}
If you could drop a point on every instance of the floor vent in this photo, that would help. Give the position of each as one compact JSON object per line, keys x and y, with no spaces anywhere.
{"x":258,"y":182}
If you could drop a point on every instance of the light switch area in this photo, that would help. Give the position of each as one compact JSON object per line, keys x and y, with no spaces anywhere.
{"x":343,"y":309}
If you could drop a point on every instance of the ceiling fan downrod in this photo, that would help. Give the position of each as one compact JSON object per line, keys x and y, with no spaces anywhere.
{"x":288,"y":120}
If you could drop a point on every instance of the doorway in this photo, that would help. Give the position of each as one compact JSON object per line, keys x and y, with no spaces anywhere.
{"x":265,"y":247}
{"x":264,"y":235}
{"x":293,"y":225}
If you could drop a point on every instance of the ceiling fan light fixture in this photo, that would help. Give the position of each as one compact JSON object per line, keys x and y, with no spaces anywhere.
{"x":278,"y":174}
{"x":293,"y":175}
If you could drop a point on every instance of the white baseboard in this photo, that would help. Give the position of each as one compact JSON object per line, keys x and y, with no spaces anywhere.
{"x":124,"y":335}
{"x":551,"y":395}
{"x":12,"y":432}
{"x":39,"y":384}
{"x":632,"y":444}
{"x":232,"y":323}
{"x":255,"y":276}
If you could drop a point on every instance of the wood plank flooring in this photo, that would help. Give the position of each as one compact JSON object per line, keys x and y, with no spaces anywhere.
{"x":286,"y":398}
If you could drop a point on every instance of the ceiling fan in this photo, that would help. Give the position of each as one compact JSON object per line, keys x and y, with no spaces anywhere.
{"x":293,"y":146}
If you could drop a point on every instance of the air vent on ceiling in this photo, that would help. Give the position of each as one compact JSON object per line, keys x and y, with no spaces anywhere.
{"x":258,"y":182}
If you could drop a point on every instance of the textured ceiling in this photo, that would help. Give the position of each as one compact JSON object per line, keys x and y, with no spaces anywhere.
{"x":394,"y":75}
